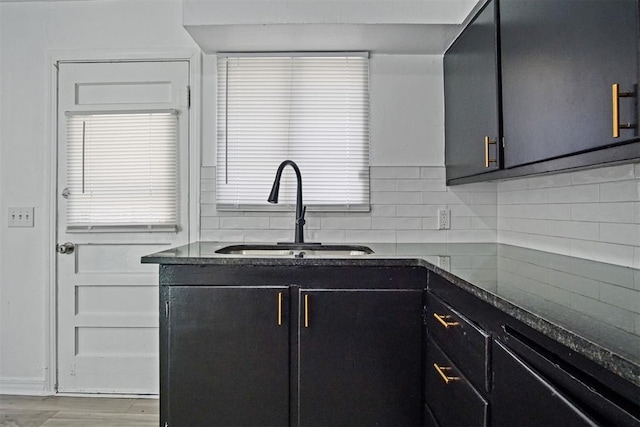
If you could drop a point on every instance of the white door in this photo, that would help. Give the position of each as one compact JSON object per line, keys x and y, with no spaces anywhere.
{"x":107,"y":299}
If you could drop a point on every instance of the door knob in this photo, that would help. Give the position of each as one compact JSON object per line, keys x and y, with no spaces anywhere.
{"x":65,"y":248}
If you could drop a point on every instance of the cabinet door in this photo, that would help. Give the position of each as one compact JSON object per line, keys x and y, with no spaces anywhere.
{"x":559,"y":62}
{"x":521,"y":397}
{"x":228,"y":361}
{"x":360,"y":358}
{"x":471,"y":98}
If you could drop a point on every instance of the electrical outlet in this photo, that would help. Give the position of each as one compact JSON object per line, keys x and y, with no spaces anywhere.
{"x":444,"y":262}
{"x":20,"y":217}
{"x":444,"y":216}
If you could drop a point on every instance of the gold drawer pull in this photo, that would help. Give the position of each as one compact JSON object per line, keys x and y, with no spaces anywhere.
{"x":487,"y":160}
{"x":615,"y":99}
{"x":279,"y":308}
{"x":306,"y":310}
{"x":441,"y":318}
{"x":441,"y":371}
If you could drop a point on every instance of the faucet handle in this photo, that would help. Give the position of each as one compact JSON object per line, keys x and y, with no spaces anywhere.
{"x":301,"y":220}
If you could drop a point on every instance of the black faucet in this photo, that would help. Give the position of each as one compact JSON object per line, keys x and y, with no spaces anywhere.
{"x":300,"y":209}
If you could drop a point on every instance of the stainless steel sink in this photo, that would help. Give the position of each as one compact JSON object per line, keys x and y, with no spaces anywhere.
{"x":299,"y":250}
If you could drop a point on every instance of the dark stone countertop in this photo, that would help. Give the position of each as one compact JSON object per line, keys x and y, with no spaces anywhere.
{"x":591,"y":307}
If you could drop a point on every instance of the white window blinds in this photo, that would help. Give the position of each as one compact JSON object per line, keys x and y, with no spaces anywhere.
{"x":313,"y":110}
{"x":122,"y":171}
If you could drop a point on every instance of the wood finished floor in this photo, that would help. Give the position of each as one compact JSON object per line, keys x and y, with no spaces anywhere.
{"x":56,"y":411}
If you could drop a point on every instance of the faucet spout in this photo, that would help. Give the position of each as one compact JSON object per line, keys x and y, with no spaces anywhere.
{"x":300,"y":209}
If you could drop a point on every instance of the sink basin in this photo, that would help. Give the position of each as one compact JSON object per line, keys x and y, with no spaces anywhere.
{"x":299,"y":250}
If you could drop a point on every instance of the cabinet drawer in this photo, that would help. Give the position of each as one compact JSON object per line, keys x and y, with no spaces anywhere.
{"x":466,"y":344}
{"x":452,"y":400}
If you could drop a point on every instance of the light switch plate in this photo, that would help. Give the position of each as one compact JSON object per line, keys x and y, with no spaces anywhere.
{"x":20,"y":217}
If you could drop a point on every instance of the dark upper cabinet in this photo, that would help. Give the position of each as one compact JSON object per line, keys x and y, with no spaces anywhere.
{"x":554,"y":83}
{"x":226,"y":357}
{"x":559,"y":61}
{"x":472,"y":99}
{"x":359,"y":357}
{"x":537,"y":401}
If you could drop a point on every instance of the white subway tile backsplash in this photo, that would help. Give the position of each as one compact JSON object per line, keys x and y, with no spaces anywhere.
{"x":430,"y":198}
{"x":432,"y":173}
{"x":396,"y":198}
{"x":628,"y":234}
{"x":208,"y":172}
{"x":387,"y":223}
{"x":603,"y":212}
{"x":399,"y":172}
{"x":574,"y":194}
{"x":383,"y":185}
{"x":272,"y":236}
{"x":346,"y":223}
{"x":420,"y":185}
{"x":574,"y":229}
{"x":383,"y":210}
{"x":604,"y":174}
{"x":549,"y":181}
{"x":622,"y":191}
{"x":222,"y":235}
{"x":207,"y":197}
{"x":209,"y":222}
{"x":245,"y":223}
{"x":589,"y":213}
{"x":208,"y":185}
{"x":592,"y":213}
{"x":325,"y":236}
{"x":471,"y":236}
{"x":517,"y":197}
{"x":423,"y":210}
{"x":423,"y":236}
{"x":530,"y":226}
{"x":404,"y":201}
{"x":370,"y":236}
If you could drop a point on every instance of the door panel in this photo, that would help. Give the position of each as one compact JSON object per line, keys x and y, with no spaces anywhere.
{"x":559,"y":60}
{"x":228,"y":357}
{"x":539,"y":403}
{"x":360,"y":358}
{"x":107,"y":299}
{"x":471,"y":98}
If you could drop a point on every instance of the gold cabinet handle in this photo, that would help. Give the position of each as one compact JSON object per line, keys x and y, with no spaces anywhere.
{"x":441,"y":371}
{"x":441,"y":318}
{"x":615,"y":101}
{"x":306,"y":310}
{"x":279,"y":308}
{"x":487,"y":142}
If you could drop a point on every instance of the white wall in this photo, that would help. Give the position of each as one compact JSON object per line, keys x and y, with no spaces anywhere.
{"x":29,"y":31}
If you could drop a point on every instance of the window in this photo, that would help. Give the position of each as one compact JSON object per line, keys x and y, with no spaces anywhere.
{"x":312,"y":109}
{"x":122,"y":171}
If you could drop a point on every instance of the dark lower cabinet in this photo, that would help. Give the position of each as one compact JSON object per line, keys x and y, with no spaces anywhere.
{"x":228,"y":357}
{"x":238,"y":349}
{"x":533,"y":380}
{"x":521,"y":397}
{"x":360,"y":358}
{"x":451,"y":398}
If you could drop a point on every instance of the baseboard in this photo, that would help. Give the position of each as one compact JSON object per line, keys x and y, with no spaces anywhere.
{"x":24,"y":386}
